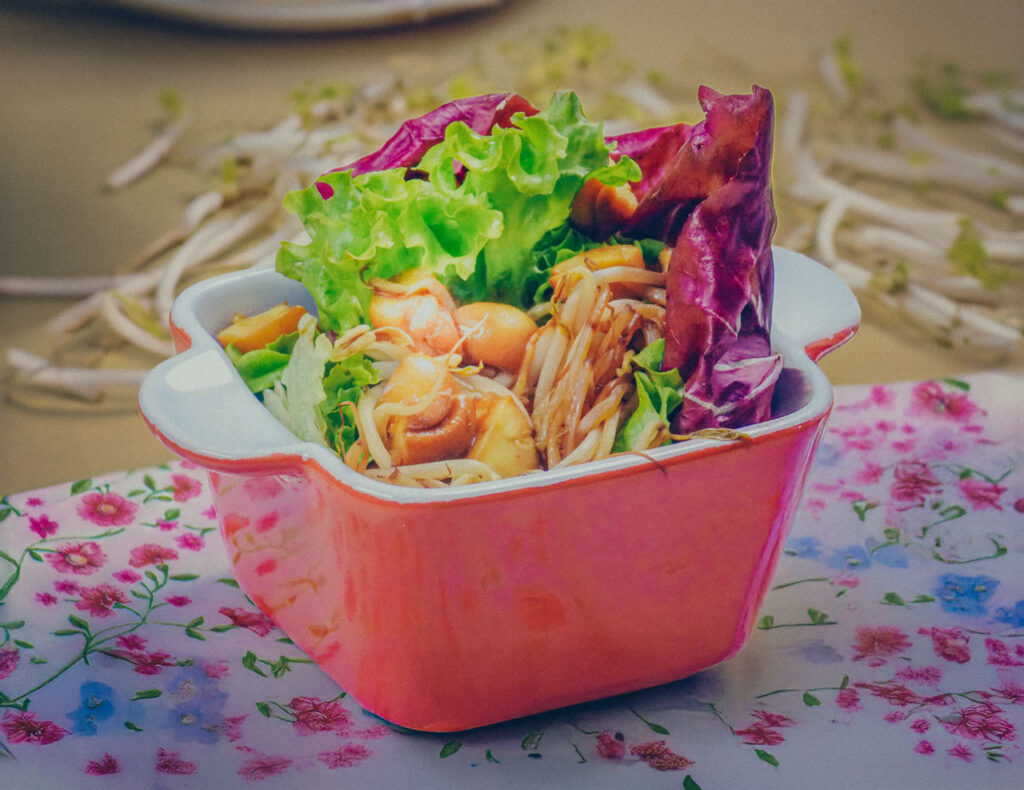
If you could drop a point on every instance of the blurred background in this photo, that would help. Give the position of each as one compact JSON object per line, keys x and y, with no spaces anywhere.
{"x":230,"y":93}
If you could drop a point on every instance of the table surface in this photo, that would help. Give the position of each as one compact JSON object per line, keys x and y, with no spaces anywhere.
{"x":891,"y":642}
{"x":80,"y":86}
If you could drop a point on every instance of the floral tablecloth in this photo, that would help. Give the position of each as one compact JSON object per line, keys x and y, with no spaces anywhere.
{"x":889,"y":651}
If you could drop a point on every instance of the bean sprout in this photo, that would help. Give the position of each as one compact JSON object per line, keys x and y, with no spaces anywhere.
{"x":148,"y":158}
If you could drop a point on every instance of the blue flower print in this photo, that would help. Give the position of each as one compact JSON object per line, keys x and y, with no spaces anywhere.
{"x":965,"y":594}
{"x":891,"y":555}
{"x":827,"y":455}
{"x":1013,"y":617}
{"x":859,"y":558}
{"x":808,"y":548}
{"x":97,"y":705}
{"x":850,"y":558}
{"x":200,"y":706}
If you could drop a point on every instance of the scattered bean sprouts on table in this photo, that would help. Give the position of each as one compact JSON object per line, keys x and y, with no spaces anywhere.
{"x":881,"y":188}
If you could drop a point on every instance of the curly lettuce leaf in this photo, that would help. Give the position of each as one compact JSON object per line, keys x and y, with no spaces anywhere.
{"x":529,"y":172}
{"x":379,"y":224}
{"x":343,"y":386}
{"x":470,"y":209}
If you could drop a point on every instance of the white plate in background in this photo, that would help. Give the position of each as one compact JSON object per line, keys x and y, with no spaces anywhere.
{"x":305,"y":16}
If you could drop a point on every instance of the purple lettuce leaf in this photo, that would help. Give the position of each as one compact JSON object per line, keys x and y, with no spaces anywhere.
{"x":707,"y":192}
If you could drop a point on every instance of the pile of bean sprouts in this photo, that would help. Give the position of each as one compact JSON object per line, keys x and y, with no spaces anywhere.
{"x":916,"y":220}
{"x":575,"y":384}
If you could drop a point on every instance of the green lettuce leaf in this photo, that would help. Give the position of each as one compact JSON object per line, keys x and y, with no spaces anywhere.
{"x":378,"y":225}
{"x":659,"y":394}
{"x":472,"y":211}
{"x":343,"y":386}
{"x":261,"y":368}
{"x":529,"y":172}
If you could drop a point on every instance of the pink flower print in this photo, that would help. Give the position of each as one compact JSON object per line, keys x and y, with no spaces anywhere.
{"x":345,"y":757}
{"x":178,"y":600}
{"x":1019,"y":505}
{"x":1010,"y":690}
{"x":869,"y":474}
{"x":373,"y":733}
{"x":981,"y":722}
{"x":848,"y":699}
{"x":760,"y":734}
{"x":24,"y":727}
{"x":172,"y":763}
{"x":913,"y":482}
{"x":210,"y":513}
{"x":257,"y":622}
{"x":263,"y":766}
{"x":879,"y":644}
{"x":939,"y":700}
{"x":185,"y":487}
{"x":921,"y":726}
{"x":949,"y":643}
{"x":981,"y":494}
{"x":882,"y":395}
{"x":231,"y":728}
{"x":924,"y":747}
{"x":929,"y":397}
{"x":961,"y":752}
{"x":218,"y":670}
{"x":134,"y":651}
{"x":845,"y":580}
{"x":47,"y":599}
{"x":99,"y":601}
{"x":999,"y":653}
{"x":78,"y":558}
{"x":772,"y":719}
{"x":893,"y":693}
{"x":929,"y":676}
{"x":127,"y":576}
{"x":611,"y":745}
{"x":166,"y":526}
{"x":895,"y":717}
{"x":131,"y":642}
{"x":151,"y":663}
{"x":107,"y":510}
{"x":107,"y":764}
{"x":190,"y":541}
{"x":42,"y":525}
{"x":33,"y":501}
{"x":314,"y":715}
{"x":9,"y":658}
{"x":66,"y":586}
{"x":151,"y":554}
{"x":657,"y":755}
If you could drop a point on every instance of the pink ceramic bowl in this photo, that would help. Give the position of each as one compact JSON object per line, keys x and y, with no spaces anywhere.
{"x":446,"y":609}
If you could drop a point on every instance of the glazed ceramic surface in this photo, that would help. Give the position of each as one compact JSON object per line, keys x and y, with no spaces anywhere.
{"x":445,"y":609}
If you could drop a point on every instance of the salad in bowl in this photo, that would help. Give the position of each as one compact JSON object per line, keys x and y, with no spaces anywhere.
{"x":502,"y":290}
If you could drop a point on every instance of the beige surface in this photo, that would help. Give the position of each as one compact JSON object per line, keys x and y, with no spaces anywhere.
{"x":78,"y":89}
